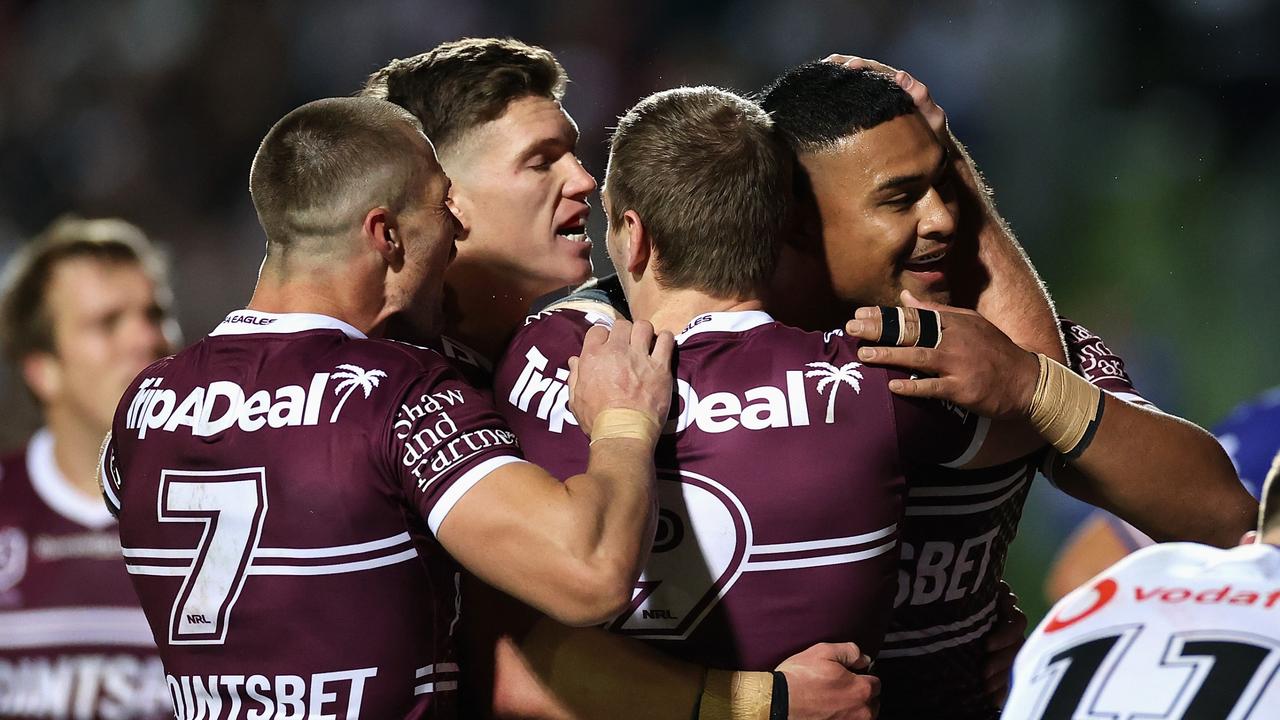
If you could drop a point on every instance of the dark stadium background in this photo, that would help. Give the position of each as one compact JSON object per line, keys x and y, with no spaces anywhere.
{"x":1134,"y":146}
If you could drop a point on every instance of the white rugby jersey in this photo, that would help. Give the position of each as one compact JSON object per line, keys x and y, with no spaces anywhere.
{"x":1177,"y":630}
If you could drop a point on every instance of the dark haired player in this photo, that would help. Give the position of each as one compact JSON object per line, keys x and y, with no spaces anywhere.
{"x":785,"y":458}
{"x":295,"y":497}
{"x":84,"y":309}
{"x":897,"y":205}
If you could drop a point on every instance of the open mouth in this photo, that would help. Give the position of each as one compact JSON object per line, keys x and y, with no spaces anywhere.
{"x":574,"y":232}
{"x":927,"y":262}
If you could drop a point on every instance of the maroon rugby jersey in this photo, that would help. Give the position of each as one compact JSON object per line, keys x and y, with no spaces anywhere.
{"x":73,"y":641}
{"x":781,"y":482}
{"x":955,"y":540}
{"x":278,"y":484}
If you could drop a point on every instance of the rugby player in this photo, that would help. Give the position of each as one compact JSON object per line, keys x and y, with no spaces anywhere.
{"x":84,"y":308}
{"x":777,"y":530}
{"x":295,"y":497}
{"x":492,"y":109}
{"x":1251,"y":437}
{"x":1173,"y":630}
{"x":897,"y":205}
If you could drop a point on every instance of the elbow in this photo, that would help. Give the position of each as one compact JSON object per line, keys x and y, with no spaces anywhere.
{"x":594,"y":593}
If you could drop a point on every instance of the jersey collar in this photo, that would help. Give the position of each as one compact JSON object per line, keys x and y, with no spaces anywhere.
{"x":56,"y":492}
{"x":253,"y":322}
{"x":735,"y":321}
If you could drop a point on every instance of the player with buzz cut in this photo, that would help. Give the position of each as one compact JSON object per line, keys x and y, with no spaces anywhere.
{"x":784,"y":462}
{"x":492,"y":109}
{"x":892,"y":203}
{"x":296,"y":497}
{"x":1175,"y":630}
{"x":85,"y":307}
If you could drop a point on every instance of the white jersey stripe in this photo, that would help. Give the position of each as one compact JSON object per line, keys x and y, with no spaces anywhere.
{"x":437,"y":668}
{"x":956,"y":490}
{"x":356,"y":549}
{"x":798,"y":563}
{"x":426,"y":688}
{"x":963,"y":509}
{"x":941,"y":629}
{"x":824,"y":544}
{"x":340,"y":568}
{"x":462,"y":485}
{"x":159,"y":570}
{"x":940,"y":645}
{"x":50,"y":627}
{"x":979,"y":437}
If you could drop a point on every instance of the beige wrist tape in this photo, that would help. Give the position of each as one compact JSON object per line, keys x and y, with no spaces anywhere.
{"x":625,"y":423}
{"x":730,"y":695}
{"x":1065,"y":408}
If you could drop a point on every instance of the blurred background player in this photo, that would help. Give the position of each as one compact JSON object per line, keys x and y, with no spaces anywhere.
{"x":1251,"y":437}
{"x":1173,"y":630}
{"x":492,"y":107}
{"x":894,"y":204}
{"x":350,"y":478}
{"x":85,"y":307}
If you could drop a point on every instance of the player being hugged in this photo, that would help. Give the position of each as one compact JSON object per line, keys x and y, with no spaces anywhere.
{"x":295,"y":496}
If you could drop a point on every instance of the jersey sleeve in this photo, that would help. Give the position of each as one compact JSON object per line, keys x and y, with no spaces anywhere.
{"x":531,"y":389}
{"x":1094,"y":361}
{"x":445,"y":437}
{"x":936,"y":432}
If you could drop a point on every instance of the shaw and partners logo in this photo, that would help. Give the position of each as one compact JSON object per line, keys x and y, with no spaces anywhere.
{"x":546,"y":395}
{"x":208,"y":410}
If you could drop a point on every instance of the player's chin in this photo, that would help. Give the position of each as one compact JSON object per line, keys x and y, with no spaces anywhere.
{"x":928,"y":286}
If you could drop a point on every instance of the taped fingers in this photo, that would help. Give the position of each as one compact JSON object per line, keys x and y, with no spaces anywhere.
{"x":909,"y":327}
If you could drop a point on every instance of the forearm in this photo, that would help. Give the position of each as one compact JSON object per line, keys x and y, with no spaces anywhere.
{"x":613,"y":509}
{"x":1162,"y":474}
{"x":1007,"y":290}
{"x":556,"y":672}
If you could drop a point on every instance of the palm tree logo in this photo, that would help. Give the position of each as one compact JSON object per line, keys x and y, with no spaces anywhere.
{"x":353,"y":377}
{"x":833,"y":376}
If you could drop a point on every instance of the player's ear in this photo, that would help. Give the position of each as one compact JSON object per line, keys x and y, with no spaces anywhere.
{"x":1249,"y":537}
{"x":43,"y":374}
{"x":639,"y":244}
{"x":458,"y":204}
{"x":379,"y":232}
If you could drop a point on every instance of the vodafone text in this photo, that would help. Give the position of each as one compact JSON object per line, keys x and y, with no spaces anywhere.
{"x":323,"y":696}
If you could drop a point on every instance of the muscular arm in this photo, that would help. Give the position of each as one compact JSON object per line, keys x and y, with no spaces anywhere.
{"x":1165,"y":476}
{"x":573,"y":549}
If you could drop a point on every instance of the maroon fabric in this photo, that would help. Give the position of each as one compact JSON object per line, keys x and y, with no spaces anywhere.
{"x":73,"y":642}
{"x":954,"y":545}
{"x":778,"y":521}
{"x":277,"y":483}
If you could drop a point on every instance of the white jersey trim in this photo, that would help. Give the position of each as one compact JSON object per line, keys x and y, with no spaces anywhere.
{"x":929,"y":632}
{"x":979,"y":437}
{"x":460,"y":487}
{"x":957,"y":490}
{"x":736,"y":321}
{"x":395,"y":549}
{"x":253,"y":322}
{"x":56,"y":492}
{"x":939,"y":645}
{"x":969,"y":509}
{"x":51,"y":627}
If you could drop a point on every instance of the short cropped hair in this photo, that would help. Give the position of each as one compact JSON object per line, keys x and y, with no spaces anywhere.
{"x":463,"y":84}
{"x":26,"y":326}
{"x":1269,"y":507}
{"x":818,"y":104}
{"x":710,"y":180}
{"x":325,"y":164}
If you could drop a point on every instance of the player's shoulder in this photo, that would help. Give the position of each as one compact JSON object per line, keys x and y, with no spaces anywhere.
{"x":601,"y":295}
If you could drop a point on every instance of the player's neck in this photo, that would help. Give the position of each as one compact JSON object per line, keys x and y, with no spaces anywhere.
{"x":365,"y":311}
{"x":673,"y":310}
{"x":483,"y":305}
{"x":75,"y":449}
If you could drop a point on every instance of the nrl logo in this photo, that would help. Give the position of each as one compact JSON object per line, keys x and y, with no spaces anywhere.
{"x":13,"y":557}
